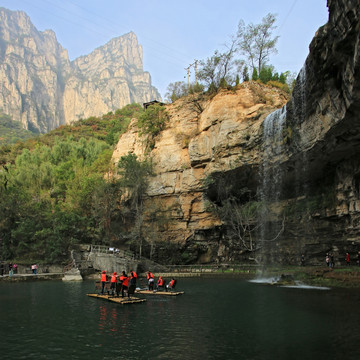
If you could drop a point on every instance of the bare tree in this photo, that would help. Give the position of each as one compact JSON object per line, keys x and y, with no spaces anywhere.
{"x":256,"y":41}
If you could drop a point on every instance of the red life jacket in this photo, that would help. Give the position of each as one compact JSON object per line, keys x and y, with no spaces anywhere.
{"x":125,"y":280}
{"x":133,"y":275}
{"x":149,"y":276}
{"x":114,"y":279}
{"x":103,"y":277}
{"x":171,"y":283}
{"x":160,"y":282}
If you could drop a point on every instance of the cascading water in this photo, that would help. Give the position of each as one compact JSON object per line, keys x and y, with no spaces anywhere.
{"x":272,"y":173}
{"x":271,"y":180}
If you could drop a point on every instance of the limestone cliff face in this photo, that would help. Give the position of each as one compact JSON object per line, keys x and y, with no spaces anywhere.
{"x":302,"y":160}
{"x":203,"y":136}
{"x":31,"y":63}
{"x":42,"y":89}
{"x":109,"y":78}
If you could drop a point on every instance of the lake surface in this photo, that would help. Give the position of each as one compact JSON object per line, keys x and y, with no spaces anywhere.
{"x":215,"y":319}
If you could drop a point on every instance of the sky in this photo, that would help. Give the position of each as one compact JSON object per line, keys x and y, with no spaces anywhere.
{"x":175,"y":33}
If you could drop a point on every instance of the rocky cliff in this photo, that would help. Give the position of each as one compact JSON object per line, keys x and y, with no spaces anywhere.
{"x":42,"y":89}
{"x":300,"y":162}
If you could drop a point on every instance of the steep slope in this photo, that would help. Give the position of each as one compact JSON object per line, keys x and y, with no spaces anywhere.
{"x":300,"y":164}
{"x":42,"y":89}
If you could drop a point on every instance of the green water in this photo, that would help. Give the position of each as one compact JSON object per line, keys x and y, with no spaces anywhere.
{"x":215,"y":319}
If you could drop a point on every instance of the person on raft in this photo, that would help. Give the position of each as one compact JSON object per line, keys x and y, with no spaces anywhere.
{"x":125,"y":283}
{"x":133,"y":278}
{"x":103,"y":280}
{"x":150,"y":279}
{"x":171,"y":284}
{"x":113,"y":282}
{"x":160,"y":283}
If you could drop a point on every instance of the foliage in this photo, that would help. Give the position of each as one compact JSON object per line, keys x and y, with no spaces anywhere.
{"x":134,"y":182}
{"x":151,"y":122}
{"x":108,"y":128}
{"x":12,"y":131}
{"x":134,"y":177}
{"x":53,"y":192}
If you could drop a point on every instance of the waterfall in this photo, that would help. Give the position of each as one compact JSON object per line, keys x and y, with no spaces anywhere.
{"x":273,"y":143}
{"x":275,"y":130}
{"x":271,"y":180}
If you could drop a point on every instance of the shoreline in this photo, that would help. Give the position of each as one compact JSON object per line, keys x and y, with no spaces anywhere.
{"x":341,"y":277}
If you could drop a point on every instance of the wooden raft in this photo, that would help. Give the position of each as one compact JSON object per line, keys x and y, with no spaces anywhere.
{"x":118,"y":300}
{"x":154,"y":292}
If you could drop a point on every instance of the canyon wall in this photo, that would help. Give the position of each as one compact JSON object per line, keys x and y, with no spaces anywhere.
{"x":302,"y":161}
{"x":41,"y":88}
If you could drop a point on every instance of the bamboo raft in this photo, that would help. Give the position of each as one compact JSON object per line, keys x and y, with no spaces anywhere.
{"x":154,"y":292}
{"x":118,"y":300}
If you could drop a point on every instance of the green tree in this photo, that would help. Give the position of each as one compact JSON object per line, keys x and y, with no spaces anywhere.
{"x":254,"y":75}
{"x":175,"y":91}
{"x":245,"y":73}
{"x":152,"y":122}
{"x":256,"y":42}
{"x":266,"y":74}
{"x":134,"y":177}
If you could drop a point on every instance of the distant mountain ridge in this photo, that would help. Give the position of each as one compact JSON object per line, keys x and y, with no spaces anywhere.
{"x":42,"y":89}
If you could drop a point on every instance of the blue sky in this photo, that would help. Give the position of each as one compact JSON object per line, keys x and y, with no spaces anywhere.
{"x":174,"y":33}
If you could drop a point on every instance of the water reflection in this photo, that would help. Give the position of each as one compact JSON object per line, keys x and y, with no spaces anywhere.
{"x":215,"y":319}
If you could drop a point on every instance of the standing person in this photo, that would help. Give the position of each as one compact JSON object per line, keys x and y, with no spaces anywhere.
{"x":160,"y":283}
{"x":15,"y":268}
{"x":358,"y":260}
{"x":327,"y":260}
{"x":103,"y":280}
{"x":332,"y":261}
{"x":302,"y":261}
{"x":10,"y":270}
{"x":113,"y":283}
{"x":2,"y":268}
{"x":347,"y":259}
{"x":125,"y":284}
{"x":171,"y":284}
{"x":34,"y":269}
{"x":150,"y":279}
{"x":133,"y":278}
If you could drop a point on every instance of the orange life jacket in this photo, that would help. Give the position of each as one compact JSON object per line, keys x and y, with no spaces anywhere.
{"x":171,"y":283}
{"x":160,"y":281}
{"x":114,"y":279}
{"x":149,"y":276}
{"x":133,"y":275}
{"x":125,"y":280}
{"x":103,"y":277}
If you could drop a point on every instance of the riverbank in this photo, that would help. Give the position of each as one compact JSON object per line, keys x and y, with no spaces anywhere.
{"x":31,"y":277}
{"x":348,"y":277}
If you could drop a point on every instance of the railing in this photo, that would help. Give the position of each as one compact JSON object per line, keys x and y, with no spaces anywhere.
{"x":103,"y":249}
{"x":211,"y":268}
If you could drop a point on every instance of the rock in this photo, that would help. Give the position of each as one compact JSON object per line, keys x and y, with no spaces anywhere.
{"x":72,"y":275}
{"x":306,"y":168}
{"x":42,"y":89}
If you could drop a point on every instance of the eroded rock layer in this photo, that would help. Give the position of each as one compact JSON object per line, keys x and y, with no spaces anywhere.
{"x":42,"y":89}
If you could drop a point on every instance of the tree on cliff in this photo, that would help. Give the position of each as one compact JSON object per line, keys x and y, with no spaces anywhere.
{"x":134,"y":181}
{"x":256,"y":42}
{"x":218,"y":70}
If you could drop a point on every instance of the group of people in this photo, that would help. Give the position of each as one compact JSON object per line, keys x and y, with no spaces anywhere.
{"x":119,"y":283}
{"x":11,"y":269}
{"x":160,"y":284}
{"x":330,"y":262}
